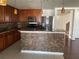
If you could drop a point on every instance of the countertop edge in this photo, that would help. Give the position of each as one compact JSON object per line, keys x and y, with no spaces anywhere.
{"x":40,"y":32}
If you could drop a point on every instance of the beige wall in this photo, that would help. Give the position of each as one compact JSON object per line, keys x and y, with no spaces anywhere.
{"x":76,"y":24}
{"x":60,"y":21}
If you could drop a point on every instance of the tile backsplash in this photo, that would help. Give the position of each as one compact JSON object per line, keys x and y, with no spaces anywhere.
{"x":7,"y":26}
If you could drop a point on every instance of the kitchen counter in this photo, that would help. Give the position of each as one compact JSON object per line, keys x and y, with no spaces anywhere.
{"x":43,"y":41}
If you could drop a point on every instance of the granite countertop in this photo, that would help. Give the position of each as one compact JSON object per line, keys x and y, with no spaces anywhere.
{"x":23,"y":31}
{"x":7,"y":31}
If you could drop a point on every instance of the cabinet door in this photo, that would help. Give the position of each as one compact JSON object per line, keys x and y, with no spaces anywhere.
{"x":5,"y":40}
{"x":1,"y":42}
{"x":15,"y":36}
{"x":10,"y":38}
{"x":1,"y":14}
{"x":7,"y":14}
{"x":19,"y":35}
{"x":14,"y":17}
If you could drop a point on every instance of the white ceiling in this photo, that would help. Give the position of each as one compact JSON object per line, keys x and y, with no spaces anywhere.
{"x":46,"y":4}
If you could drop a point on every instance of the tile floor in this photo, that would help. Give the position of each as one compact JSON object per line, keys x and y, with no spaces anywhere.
{"x":14,"y":52}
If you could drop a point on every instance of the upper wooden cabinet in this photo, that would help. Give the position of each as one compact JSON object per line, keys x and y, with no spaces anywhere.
{"x":7,"y":14}
{"x":1,"y":14}
{"x":14,"y":16}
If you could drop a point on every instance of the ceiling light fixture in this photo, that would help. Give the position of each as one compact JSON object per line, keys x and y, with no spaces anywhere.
{"x":42,"y":5}
{"x":3,"y":2}
{"x":63,"y":9}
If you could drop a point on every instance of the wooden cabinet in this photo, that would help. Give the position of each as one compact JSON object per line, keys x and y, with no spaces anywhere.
{"x":7,"y":14}
{"x":5,"y":40}
{"x":1,"y":42}
{"x":14,"y":17}
{"x":1,"y":14}
{"x":8,"y":38}
{"x":15,"y":36}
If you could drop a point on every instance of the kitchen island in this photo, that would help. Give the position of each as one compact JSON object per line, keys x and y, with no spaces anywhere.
{"x":43,"y":41}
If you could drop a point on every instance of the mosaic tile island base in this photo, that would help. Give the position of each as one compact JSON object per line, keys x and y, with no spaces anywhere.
{"x":49,"y":41}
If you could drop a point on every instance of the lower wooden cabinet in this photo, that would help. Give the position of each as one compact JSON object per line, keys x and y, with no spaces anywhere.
{"x":15,"y":36}
{"x":8,"y":38}
{"x":5,"y":41}
{"x":1,"y":42}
